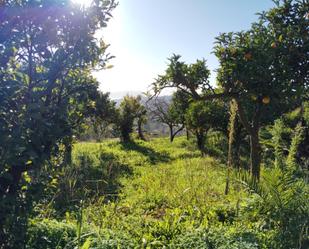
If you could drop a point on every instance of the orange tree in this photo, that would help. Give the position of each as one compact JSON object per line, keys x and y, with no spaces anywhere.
{"x":47,"y":51}
{"x":265,"y":69}
{"x":102,"y":115}
{"x":130,"y":110}
{"x":191,"y":79}
{"x":201,"y":117}
{"x":181,"y":102}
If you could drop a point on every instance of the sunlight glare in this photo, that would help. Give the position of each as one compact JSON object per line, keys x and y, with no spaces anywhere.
{"x":83,"y":3}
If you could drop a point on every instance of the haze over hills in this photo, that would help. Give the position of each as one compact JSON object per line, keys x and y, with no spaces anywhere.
{"x":121,"y":94}
{"x":116,"y":95}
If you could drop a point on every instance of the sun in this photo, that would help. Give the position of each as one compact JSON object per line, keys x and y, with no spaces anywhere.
{"x":83,"y":3}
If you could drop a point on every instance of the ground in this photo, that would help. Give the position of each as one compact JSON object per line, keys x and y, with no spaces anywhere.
{"x":151,"y":194}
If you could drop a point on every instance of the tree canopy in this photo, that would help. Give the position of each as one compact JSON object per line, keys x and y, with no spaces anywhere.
{"x":47,"y":51}
{"x":129,"y":110}
{"x":264,"y":69}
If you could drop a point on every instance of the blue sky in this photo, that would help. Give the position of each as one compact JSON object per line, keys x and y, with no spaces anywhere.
{"x":144,"y":33}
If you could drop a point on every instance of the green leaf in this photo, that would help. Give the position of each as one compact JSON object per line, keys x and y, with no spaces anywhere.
{"x":87,"y":244}
{"x":280,"y":38}
{"x":27,"y":177}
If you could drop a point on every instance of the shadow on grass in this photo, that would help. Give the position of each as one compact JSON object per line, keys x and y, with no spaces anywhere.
{"x":88,"y":178}
{"x":153,"y":156}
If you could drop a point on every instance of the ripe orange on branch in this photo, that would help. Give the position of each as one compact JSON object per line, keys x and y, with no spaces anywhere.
{"x":266,"y":100}
{"x":273,"y":45}
{"x":248,"y":56}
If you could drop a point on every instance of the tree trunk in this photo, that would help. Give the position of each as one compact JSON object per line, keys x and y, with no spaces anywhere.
{"x":253,"y":130}
{"x":15,"y":173}
{"x":68,"y":151}
{"x":125,"y":136}
{"x":140,"y":131}
{"x":200,"y":137}
{"x":255,"y":154}
{"x":171,"y":134}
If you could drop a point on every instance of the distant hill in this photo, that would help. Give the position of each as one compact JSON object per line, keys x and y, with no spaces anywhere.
{"x":119,"y":95}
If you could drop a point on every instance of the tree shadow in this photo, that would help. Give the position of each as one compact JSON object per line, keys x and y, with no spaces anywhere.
{"x":89,"y":178}
{"x":189,"y":155}
{"x":154,"y":157}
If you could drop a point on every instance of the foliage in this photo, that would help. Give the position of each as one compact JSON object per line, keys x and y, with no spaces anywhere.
{"x":219,"y":237}
{"x":129,"y":110}
{"x":255,"y":66}
{"x":278,"y":131}
{"x":152,"y":194}
{"x":49,"y":234}
{"x":175,"y":198}
{"x":287,"y":140}
{"x":188,"y":78}
{"x":180,"y":102}
{"x":93,"y":174}
{"x":141,"y":120}
{"x":282,"y":207}
{"x":101,"y":117}
{"x":201,"y":117}
{"x":52,"y":234}
{"x":170,"y":113}
{"x":47,"y":50}
{"x":282,"y":195}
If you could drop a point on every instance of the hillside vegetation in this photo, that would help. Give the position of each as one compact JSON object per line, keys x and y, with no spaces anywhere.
{"x":151,"y":195}
{"x":80,"y":171}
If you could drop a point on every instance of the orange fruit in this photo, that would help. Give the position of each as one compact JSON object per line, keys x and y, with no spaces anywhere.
{"x":266,"y":100}
{"x":273,"y":45}
{"x":248,"y":56}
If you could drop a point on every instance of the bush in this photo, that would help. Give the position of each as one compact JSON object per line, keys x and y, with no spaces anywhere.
{"x":49,"y":234}
{"x":218,"y":238}
{"x":280,"y":203}
{"x":193,"y":240}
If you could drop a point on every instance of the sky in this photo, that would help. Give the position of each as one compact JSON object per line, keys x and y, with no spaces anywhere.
{"x":143,"y":33}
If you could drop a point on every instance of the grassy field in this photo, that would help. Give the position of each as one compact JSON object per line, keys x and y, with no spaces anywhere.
{"x":153,"y":194}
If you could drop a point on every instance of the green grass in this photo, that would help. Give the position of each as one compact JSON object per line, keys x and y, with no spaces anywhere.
{"x":172,"y":191}
{"x":165,"y":195}
{"x":140,"y":153}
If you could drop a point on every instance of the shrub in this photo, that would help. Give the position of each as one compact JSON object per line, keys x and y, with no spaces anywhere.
{"x":49,"y":234}
{"x":218,"y":238}
{"x":281,"y":204}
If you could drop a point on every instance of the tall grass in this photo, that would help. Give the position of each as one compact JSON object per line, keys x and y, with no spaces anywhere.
{"x":166,"y":196}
